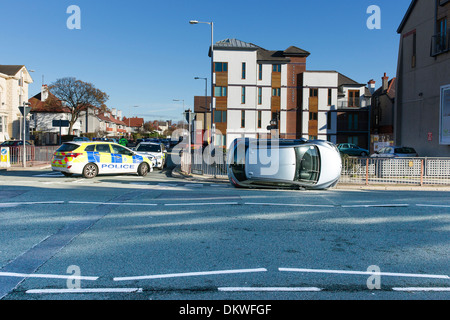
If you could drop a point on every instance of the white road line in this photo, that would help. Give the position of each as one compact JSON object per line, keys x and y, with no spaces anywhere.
{"x":269,"y":289}
{"x":30,"y":203}
{"x":374,"y":205}
{"x":189,"y":274}
{"x":96,"y":290}
{"x":288,"y":204}
{"x":46,"y":276}
{"x":412,"y":289}
{"x":390,"y":274}
{"x":202,"y":204}
{"x":113,"y":203}
{"x":196,"y":185}
{"x":433,"y":205}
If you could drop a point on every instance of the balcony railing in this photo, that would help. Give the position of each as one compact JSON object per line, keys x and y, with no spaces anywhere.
{"x":352,"y":103}
{"x":440,"y":43}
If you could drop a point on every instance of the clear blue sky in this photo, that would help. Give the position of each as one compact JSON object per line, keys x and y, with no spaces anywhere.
{"x":145,"y":53}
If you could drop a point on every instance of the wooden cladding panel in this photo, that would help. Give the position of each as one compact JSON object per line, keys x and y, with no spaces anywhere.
{"x":221,"y":79}
{"x":276,"y":79}
{"x":221,"y":103}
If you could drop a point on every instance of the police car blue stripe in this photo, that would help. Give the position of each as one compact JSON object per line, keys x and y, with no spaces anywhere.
{"x":116,"y":158}
{"x":93,"y":156}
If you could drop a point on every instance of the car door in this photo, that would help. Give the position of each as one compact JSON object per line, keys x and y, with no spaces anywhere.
{"x":123,"y":159}
{"x":102,"y":156}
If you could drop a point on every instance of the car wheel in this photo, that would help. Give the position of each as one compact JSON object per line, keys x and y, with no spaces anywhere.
{"x":363,"y":154}
{"x":143,"y":169}
{"x":90,"y":171}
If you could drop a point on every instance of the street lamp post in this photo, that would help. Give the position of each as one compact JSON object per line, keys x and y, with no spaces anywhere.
{"x":212,"y":68}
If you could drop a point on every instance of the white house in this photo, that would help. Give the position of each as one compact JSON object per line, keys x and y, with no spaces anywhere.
{"x":14,"y":81}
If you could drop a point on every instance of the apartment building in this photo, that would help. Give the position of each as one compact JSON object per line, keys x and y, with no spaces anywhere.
{"x":260,"y":93}
{"x":422,"y":107}
{"x":14,"y":81}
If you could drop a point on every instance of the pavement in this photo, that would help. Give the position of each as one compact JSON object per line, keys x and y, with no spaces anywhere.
{"x":177,"y":173}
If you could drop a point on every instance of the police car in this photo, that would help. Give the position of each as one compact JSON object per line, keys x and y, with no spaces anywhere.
{"x":93,"y":158}
{"x":155,"y":151}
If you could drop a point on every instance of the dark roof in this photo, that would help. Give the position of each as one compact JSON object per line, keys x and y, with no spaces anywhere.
{"x":390,"y":92}
{"x":344,"y":80}
{"x":51,"y":105}
{"x":406,"y":17}
{"x":10,"y":70}
{"x":262,"y":54}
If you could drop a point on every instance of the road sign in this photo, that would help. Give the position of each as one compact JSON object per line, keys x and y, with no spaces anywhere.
{"x":61,"y":123}
{"x":25,"y":110}
{"x":4,"y":157}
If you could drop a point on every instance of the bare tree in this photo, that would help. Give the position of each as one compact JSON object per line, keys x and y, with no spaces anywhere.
{"x":77,"y":96}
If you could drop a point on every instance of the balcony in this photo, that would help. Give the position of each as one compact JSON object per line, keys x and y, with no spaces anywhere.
{"x":440,"y":43}
{"x":353,"y":103}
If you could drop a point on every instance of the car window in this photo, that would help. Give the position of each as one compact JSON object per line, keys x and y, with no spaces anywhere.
{"x":307,"y":164}
{"x":121,"y":150}
{"x":149,"y":148}
{"x":408,"y":150}
{"x":103,"y":148}
{"x":67,"y":147}
{"x":90,"y":148}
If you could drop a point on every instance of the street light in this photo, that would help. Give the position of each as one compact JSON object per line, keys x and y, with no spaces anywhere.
{"x":212,"y":64}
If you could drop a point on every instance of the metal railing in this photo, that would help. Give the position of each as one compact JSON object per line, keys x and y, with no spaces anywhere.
{"x":33,"y":154}
{"x":404,"y":171}
{"x":359,"y":171}
{"x":350,"y":103}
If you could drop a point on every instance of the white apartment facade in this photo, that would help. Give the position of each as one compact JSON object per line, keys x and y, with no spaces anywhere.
{"x":14,"y":82}
{"x":260,"y":93}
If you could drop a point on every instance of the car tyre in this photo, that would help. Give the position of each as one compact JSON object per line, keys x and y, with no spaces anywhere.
{"x":143,"y":169}
{"x":90,"y":171}
{"x":363,"y":154}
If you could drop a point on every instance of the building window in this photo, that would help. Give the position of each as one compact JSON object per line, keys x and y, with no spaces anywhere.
{"x":243,"y":70}
{"x":276,"y":92}
{"x":276,"y":68}
{"x":329,"y":96}
{"x":243,"y":95}
{"x":220,"y":91}
{"x":313,"y":116}
{"x":221,"y":66}
{"x":353,"y":122}
{"x":220,"y":116}
{"x":260,"y":68}
{"x":243,"y":119}
{"x":259,"y":119}
{"x":353,"y":140}
{"x":259,"y":95}
{"x":312,"y":138}
{"x":1,"y":123}
{"x":313,"y":92}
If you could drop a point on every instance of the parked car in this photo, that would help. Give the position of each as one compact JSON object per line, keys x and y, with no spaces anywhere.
{"x":152,"y":149}
{"x":352,"y":150}
{"x":305,"y":164}
{"x":82,"y":139}
{"x":394,"y":152}
{"x":92,"y":158}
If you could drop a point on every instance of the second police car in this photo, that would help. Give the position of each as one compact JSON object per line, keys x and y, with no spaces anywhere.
{"x":93,"y":158}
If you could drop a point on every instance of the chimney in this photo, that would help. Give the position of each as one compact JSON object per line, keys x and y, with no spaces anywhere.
{"x":44,"y":92}
{"x":371,"y":86}
{"x":385,"y":82}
